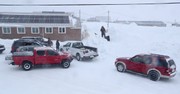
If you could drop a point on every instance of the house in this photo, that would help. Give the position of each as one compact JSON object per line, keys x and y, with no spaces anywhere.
{"x":53,"y":25}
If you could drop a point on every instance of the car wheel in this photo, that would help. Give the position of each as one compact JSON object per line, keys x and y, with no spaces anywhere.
{"x":78,"y":57}
{"x":154,"y":75}
{"x":65,"y":64}
{"x":120,"y":67}
{"x":27,"y":66}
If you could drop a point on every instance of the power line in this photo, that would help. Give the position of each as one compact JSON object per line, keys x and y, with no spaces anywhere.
{"x":119,"y":4}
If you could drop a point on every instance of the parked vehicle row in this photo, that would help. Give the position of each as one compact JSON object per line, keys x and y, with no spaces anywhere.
{"x":29,"y":53}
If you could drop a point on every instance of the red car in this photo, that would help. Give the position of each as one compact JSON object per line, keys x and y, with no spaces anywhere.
{"x":154,"y":66}
{"x":41,"y":56}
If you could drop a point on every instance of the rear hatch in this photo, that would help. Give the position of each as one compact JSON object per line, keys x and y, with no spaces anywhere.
{"x":171,"y":66}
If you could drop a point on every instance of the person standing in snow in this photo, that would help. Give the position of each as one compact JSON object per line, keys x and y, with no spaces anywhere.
{"x":103,"y":31}
{"x":49,"y":42}
{"x":57,"y":45}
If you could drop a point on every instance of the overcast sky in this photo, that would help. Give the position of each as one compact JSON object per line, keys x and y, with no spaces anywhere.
{"x":151,"y":12}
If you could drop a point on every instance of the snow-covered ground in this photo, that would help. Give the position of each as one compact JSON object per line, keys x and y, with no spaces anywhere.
{"x":99,"y":76}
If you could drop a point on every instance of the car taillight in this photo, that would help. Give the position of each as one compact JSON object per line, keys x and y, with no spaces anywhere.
{"x":169,"y":70}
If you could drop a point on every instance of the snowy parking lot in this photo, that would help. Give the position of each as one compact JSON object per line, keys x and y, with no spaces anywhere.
{"x":99,"y":76}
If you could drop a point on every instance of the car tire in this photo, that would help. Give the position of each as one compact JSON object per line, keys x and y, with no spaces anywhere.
{"x":120,"y":67}
{"x":78,"y":57}
{"x":65,"y":64}
{"x":27,"y":66}
{"x":154,"y":75}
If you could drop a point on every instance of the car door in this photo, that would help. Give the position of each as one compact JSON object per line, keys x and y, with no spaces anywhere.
{"x":146,"y":64}
{"x":74,"y":49}
{"x":40,"y":57}
{"x":53,"y":57}
{"x":136,"y":64}
{"x":66,"y":47}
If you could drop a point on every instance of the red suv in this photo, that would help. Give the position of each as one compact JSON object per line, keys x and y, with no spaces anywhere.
{"x":154,"y":66}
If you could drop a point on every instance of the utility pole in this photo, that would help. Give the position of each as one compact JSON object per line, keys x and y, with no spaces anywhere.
{"x":108,"y":22}
{"x":80,"y":18}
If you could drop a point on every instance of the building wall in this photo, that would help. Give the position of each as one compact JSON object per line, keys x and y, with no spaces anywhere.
{"x":71,"y":34}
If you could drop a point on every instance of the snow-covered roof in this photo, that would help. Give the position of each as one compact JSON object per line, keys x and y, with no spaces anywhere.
{"x":10,"y":25}
{"x":44,"y":48}
{"x":40,"y":17}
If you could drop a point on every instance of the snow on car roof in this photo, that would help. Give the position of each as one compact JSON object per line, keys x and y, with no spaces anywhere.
{"x":73,"y":41}
{"x":152,"y":54}
{"x":44,"y":48}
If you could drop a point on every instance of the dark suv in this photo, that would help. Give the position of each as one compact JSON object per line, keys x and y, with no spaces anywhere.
{"x":24,"y":42}
{"x":43,"y":41}
{"x":2,"y":48}
{"x":154,"y":66}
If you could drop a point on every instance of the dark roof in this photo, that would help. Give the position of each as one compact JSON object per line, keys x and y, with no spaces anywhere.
{"x":60,"y":19}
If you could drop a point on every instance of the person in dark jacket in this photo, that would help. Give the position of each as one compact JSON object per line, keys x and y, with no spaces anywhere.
{"x":49,"y":42}
{"x":57,"y":45}
{"x":103,"y":31}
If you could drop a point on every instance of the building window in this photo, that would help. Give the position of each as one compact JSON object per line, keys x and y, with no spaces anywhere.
{"x":49,"y":30}
{"x":21,"y":30}
{"x":6,"y":30}
{"x":35,"y":30}
{"x":62,"y":30}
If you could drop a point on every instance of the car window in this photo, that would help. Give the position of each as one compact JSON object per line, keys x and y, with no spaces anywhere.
{"x":51,"y":53}
{"x":74,"y":45}
{"x":147,"y":60}
{"x":17,"y":44}
{"x":162,"y":62}
{"x":137,"y":59}
{"x":67,"y":44}
{"x":26,"y":43}
{"x":36,"y":44}
{"x":77,"y":44}
{"x":30,"y":49}
{"x":41,"y":52}
{"x":21,"y":49}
